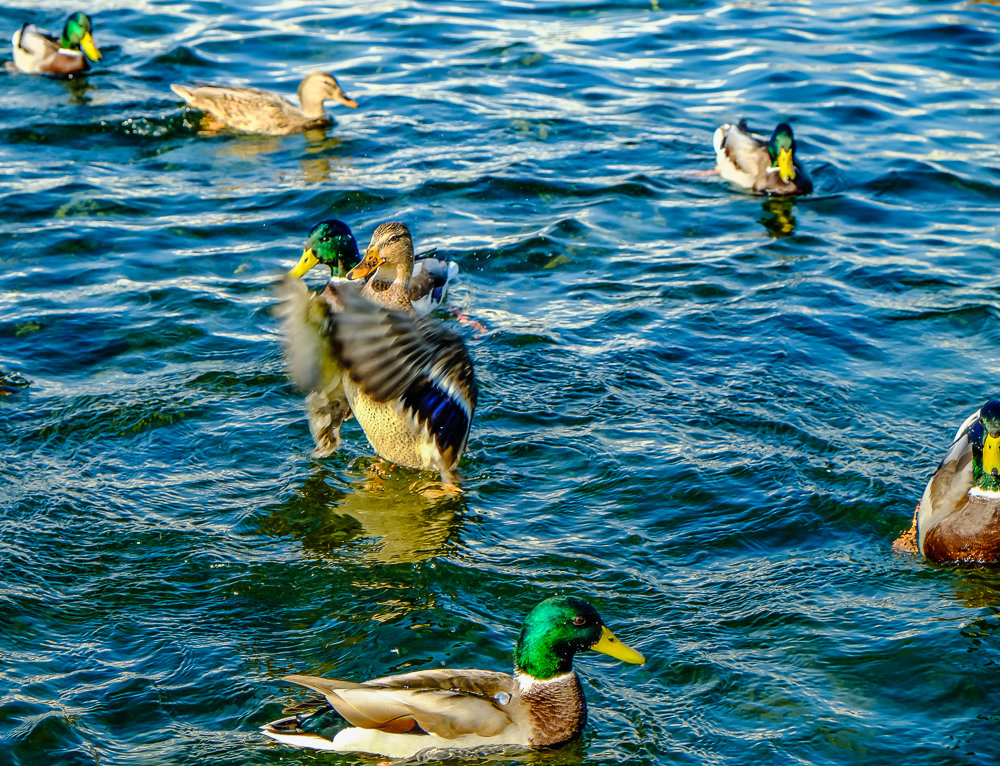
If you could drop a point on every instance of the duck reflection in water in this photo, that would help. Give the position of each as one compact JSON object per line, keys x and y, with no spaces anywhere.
{"x":778,"y":216}
{"x":390,"y":524}
{"x":315,"y":164}
{"x":78,"y":88}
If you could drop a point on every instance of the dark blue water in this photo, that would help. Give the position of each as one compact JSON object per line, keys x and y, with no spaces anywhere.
{"x":709,"y":413}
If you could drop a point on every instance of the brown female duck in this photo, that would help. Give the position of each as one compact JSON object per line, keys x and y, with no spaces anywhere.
{"x":401,"y":281}
{"x":408,"y":380}
{"x":254,"y":110}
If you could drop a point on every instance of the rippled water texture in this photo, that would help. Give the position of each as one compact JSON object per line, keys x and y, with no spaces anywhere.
{"x":708,"y":412}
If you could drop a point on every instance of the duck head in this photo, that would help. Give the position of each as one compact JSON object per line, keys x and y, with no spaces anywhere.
{"x":331,"y":243}
{"x":389,"y":255}
{"x":317,"y":87}
{"x":556,"y":630}
{"x":77,"y":34}
{"x":781,"y":149}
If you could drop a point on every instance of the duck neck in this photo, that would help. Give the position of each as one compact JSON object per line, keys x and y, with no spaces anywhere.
{"x":557,"y":709}
{"x":389,"y":277}
{"x":538,"y":659}
{"x":310,"y":104}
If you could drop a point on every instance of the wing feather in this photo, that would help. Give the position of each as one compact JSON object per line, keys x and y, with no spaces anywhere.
{"x":447,"y":703}
{"x":950,"y":484}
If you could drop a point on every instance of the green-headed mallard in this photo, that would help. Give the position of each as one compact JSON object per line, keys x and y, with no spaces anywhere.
{"x":332,"y":244}
{"x":396,"y":279}
{"x":407,"y":380}
{"x":541,"y":704}
{"x":37,"y":52}
{"x":767,"y":167}
{"x":254,"y":110}
{"x":958,"y":518}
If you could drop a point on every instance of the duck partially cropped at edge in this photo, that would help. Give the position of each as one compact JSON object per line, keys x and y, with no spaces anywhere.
{"x":763,"y":166}
{"x":402,"y":281}
{"x":255,"y":110}
{"x":541,"y":704}
{"x":408,"y":380}
{"x":958,"y":518}
{"x":37,"y":52}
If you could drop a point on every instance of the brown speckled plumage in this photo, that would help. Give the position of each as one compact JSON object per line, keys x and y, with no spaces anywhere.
{"x":408,"y":380}
{"x":388,"y":263}
{"x":402,"y":372}
{"x":556,"y":710}
{"x":254,"y":110}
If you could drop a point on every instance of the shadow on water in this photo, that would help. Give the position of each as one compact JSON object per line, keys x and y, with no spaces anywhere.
{"x":399,"y":524}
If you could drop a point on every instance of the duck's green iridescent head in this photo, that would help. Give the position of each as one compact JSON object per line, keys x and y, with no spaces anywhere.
{"x":781,"y":149}
{"x":331,"y":243}
{"x":557,"y":629}
{"x":987,"y":473}
{"x":76,"y":35}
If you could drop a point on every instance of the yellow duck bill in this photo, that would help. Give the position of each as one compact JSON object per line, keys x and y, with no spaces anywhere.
{"x":991,"y":454}
{"x":87,"y":43}
{"x":786,"y":165}
{"x":611,"y":646}
{"x":306,"y":262}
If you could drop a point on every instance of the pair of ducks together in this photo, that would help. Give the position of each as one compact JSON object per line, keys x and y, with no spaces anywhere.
{"x":410,"y":384}
{"x":374,"y":354}
{"x":250,"y":110}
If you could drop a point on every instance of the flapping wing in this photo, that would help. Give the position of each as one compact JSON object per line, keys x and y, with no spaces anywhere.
{"x":415,"y":362}
{"x":305,"y":325}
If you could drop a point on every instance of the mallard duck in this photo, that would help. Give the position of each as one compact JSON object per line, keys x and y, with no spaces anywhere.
{"x":958,"y":518}
{"x":541,"y":704}
{"x":332,"y":244}
{"x":254,"y":110}
{"x":401,"y":281}
{"x":768,"y":167}
{"x":37,"y":52}
{"x":407,"y":380}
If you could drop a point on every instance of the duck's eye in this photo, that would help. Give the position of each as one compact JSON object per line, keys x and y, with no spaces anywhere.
{"x":579,"y":620}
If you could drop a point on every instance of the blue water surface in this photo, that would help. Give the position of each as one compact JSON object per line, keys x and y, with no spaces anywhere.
{"x":708,"y":412}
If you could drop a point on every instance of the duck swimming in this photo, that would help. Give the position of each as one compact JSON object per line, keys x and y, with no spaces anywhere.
{"x":254,"y":110}
{"x":399,"y":716}
{"x":767,"y":167}
{"x":958,"y":518}
{"x":37,"y":52}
